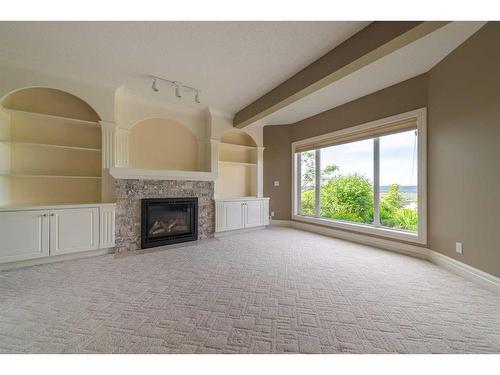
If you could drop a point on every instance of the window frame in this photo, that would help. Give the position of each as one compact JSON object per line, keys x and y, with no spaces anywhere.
{"x":420,"y":236}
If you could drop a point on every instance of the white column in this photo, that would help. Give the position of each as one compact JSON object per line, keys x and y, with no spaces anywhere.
{"x":108,"y":144}
{"x":108,"y":160}
{"x":203,"y":159}
{"x":260,"y":172}
{"x":121,"y":147}
{"x":214,"y":161}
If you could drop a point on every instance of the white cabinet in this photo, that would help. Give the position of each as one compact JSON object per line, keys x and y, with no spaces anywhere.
{"x":28,"y":233}
{"x":232,"y":214}
{"x":24,"y":235}
{"x":73,"y":230}
{"x":253,"y":213}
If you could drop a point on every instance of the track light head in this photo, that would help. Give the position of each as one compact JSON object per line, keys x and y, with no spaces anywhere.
{"x":178,"y":87}
{"x":154,"y":86}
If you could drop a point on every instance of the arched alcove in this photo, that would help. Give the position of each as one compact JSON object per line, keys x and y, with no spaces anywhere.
{"x":50,"y":101}
{"x":237,"y":137}
{"x":237,"y":165}
{"x":50,"y":148}
{"x":159,"y":143}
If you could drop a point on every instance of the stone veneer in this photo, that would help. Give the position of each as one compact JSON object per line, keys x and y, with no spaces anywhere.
{"x":128,"y":207}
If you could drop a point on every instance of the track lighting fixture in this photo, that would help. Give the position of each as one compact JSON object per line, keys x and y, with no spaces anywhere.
{"x":178,"y":86}
{"x":154,"y":86}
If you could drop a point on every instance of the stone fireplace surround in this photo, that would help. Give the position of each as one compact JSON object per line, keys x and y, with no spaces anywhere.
{"x":128,"y":206}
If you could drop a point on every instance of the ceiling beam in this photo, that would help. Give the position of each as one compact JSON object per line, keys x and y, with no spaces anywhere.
{"x":368,"y":45}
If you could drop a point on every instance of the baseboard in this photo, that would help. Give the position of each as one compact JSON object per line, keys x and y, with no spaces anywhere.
{"x":237,"y":231}
{"x":399,"y":247}
{"x":280,"y":223}
{"x":473,"y":274}
{"x":470,"y":273}
{"x":53,"y":259}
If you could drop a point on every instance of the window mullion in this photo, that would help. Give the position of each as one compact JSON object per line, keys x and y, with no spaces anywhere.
{"x":317,"y":184}
{"x":298,"y":190}
{"x":376,"y":182}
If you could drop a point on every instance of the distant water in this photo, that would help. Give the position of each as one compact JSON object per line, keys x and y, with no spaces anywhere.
{"x":402,"y":188}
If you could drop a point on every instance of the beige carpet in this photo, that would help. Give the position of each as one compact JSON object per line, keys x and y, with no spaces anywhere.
{"x":269,"y":291}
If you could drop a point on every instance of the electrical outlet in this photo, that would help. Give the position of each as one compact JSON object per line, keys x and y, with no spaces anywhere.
{"x":458,"y":247}
{"x":276,"y":183}
{"x":272,"y":213}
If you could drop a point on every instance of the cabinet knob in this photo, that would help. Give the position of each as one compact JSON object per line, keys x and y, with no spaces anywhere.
{"x":52,"y":214}
{"x":44,"y":215}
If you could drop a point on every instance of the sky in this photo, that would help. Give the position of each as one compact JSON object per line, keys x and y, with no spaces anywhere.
{"x":397,"y":159}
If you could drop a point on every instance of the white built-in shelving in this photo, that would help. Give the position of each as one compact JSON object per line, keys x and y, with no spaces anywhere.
{"x":47,"y":157}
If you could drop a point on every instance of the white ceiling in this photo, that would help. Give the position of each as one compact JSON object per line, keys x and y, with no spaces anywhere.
{"x":233,"y":63}
{"x":414,"y":59}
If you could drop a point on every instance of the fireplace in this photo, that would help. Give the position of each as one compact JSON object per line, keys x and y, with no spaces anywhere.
{"x":166,"y":221}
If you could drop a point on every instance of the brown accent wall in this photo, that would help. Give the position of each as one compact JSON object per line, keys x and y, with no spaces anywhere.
{"x":277,"y":167}
{"x":402,"y":97}
{"x":462,"y":94}
{"x":464,"y":151}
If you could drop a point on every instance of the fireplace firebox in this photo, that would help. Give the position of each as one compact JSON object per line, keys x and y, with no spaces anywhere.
{"x":166,"y":221}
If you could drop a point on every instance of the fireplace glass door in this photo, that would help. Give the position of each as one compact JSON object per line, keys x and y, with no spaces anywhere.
{"x":169,"y":220}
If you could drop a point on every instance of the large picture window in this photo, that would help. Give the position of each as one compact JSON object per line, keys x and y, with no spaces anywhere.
{"x":369,"y":178}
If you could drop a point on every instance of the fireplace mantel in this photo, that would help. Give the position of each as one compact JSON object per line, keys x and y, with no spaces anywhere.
{"x":160,"y":174}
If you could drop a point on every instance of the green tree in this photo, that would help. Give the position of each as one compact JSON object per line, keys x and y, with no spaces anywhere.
{"x":390,"y":204}
{"x":393,"y":199}
{"x":348,"y":198}
{"x":308,"y":203}
{"x":308,"y":160}
{"x":393,"y":213}
{"x":406,"y":218}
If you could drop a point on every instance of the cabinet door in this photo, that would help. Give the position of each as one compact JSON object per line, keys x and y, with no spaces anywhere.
{"x":253,"y":213}
{"x":233,"y":215}
{"x":74,"y":230}
{"x":23,"y":235}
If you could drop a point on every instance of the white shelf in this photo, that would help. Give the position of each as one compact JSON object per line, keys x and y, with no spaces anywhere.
{"x":50,"y":176}
{"x":233,"y":145}
{"x":51,"y":117}
{"x":32,"y":144}
{"x":236,"y":163}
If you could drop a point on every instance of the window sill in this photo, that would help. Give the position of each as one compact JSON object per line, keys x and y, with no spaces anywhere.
{"x":366,"y":229}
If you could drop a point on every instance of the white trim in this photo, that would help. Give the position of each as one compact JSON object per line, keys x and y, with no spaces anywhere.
{"x":243,"y":199}
{"x":361,"y":228}
{"x":280,"y":223}
{"x":403,"y":248}
{"x":421,"y":236}
{"x":53,"y":259}
{"x":475,"y":275}
{"x":159,"y":174}
{"x":376,"y":182}
{"x":226,"y":233}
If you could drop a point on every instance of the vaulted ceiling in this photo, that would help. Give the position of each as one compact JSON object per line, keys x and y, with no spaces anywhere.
{"x":259,"y":72}
{"x":233,"y":63}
